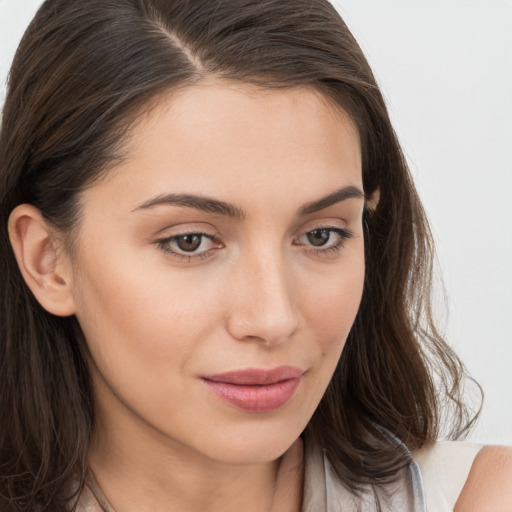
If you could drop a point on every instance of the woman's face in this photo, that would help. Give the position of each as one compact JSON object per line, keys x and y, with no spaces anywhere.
{"x":219,"y":270}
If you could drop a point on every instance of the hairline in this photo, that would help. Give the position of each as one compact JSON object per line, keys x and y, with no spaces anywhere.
{"x":141,"y":109}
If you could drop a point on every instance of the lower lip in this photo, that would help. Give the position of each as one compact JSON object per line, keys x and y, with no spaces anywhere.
{"x":255,"y":398}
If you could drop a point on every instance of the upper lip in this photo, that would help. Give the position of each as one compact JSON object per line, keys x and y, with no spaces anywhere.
{"x":257,"y":376}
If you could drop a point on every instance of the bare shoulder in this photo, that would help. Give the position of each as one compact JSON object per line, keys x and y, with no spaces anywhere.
{"x":489,"y":484}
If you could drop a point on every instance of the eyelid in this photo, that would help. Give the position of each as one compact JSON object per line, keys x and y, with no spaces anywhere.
{"x":186,"y":228}
{"x":342,"y":233}
{"x":164,"y":243}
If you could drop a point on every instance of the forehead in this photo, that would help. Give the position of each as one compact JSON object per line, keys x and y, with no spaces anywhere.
{"x":211,"y":107}
{"x":231,"y":138}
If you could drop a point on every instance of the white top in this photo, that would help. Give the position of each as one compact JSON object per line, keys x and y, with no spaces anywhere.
{"x":432,"y":482}
{"x":445,"y":468}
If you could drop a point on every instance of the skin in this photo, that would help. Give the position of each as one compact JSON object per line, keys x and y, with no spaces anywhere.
{"x":489,"y":484}
{"x":263,"y":296}
{"x":258,"y":294}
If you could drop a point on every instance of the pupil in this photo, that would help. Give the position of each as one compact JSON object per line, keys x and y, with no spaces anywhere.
{"x":318,"y":237}
{"x":189,"y":243}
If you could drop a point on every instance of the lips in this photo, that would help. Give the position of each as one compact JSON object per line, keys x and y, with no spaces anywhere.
{"x":256,"y":390}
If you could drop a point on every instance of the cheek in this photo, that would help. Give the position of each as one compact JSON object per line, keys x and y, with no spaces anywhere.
{"x":332,"y":309}
{"x":139,"y":319}
{"x":333,"y":303}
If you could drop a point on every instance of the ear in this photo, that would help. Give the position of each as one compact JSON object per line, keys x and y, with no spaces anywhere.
{"x":372,"y":200}
{"x":44,"y":266}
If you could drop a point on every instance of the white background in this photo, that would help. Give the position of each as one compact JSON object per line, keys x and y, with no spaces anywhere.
{"x":445,"y":67}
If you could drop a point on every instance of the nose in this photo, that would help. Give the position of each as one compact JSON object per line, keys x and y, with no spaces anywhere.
{"x":263,"y":304}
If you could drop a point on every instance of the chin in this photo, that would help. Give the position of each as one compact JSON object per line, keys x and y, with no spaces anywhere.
{"x":252,"y":446}
{"x":252,"y":454}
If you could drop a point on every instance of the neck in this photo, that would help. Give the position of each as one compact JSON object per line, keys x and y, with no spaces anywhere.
{"x":137,"y":474}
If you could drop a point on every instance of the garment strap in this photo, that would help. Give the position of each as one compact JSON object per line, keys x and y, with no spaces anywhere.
{"x":445,"y":467}
{"x":324,"y":492}
{"x":92,"y":498}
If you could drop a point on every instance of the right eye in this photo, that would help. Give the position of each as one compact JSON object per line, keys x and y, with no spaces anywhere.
{"x":189,"y":246}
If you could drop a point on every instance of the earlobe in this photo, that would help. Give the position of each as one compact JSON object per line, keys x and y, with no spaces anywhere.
{"x":45,"y":270}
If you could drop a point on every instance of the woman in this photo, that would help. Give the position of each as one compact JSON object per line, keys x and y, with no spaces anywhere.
{"x":217,"y":273}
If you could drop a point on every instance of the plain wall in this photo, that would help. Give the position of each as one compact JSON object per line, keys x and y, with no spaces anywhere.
{"x":445,"y":67}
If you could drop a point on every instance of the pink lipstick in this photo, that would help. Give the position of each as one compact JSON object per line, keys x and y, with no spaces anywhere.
{"x":256,"y":390}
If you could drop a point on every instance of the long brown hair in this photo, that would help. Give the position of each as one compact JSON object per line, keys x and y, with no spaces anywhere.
{"x":83,"y":73}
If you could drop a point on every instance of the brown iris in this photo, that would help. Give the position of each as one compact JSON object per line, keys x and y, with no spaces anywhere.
{"x":319,"y":237}
{"x":189,"y":243}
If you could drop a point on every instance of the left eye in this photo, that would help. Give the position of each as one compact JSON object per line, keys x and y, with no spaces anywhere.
{"x":189,"y":243}
{"x":325,"y":238}
{"x":319,"y":237}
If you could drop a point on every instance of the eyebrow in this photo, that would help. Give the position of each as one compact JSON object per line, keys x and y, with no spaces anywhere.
{"x":205,"y":204}
{"x":338,"y":196}
{"x":210,"y":205}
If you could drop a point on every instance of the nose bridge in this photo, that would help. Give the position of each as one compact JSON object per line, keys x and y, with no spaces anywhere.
{"x":263,"y":304}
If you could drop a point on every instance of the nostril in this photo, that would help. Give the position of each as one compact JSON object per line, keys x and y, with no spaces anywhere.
{"x":262,"y":303}
{"x":249,"y":325}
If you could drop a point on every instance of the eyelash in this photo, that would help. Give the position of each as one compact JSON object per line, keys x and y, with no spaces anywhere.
{"x":164,"y":244}
{"x":343,"y":236}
